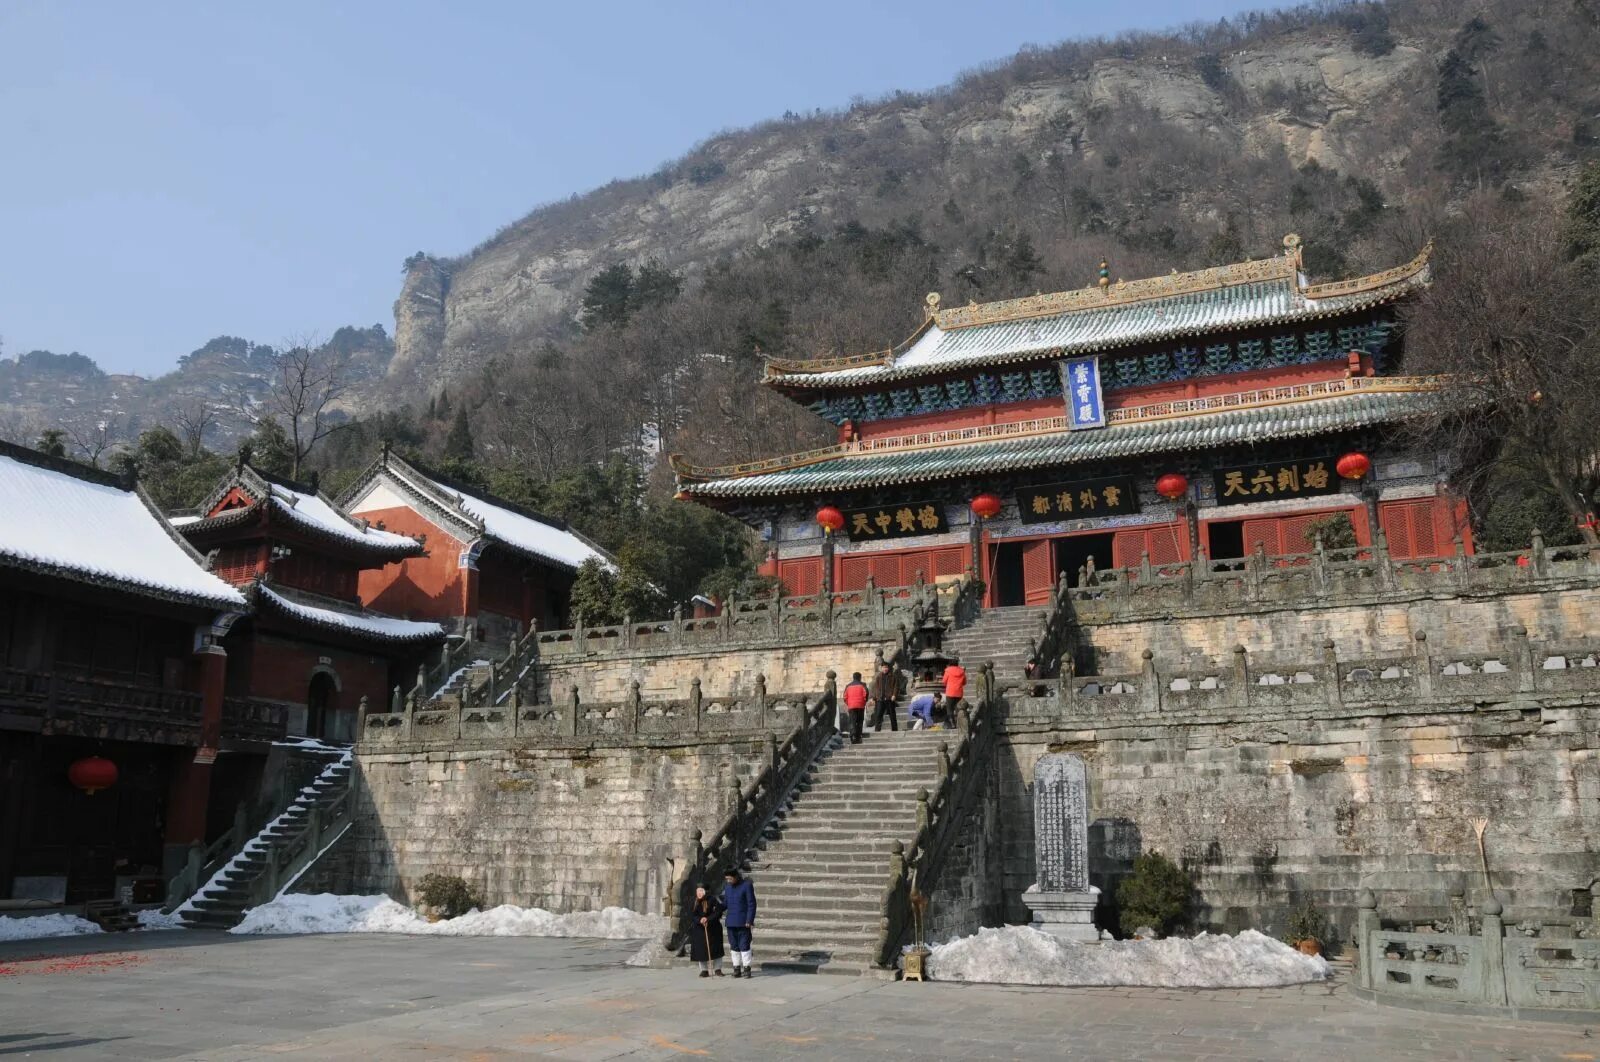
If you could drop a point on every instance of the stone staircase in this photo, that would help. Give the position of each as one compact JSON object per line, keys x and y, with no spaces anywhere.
{"x":239,"y":885}
{"x":824,"y":864}
{"x":1001,"y":635}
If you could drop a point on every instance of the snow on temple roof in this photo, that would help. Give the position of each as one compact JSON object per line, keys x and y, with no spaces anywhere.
{"x":359,"y":622}
{"x":77,"y":524}
{"x":544,"y":538}
{"x":309,"y":510}
{"x":1089,"y":320}
{"x":1325,"y":407}
{"x":314,"y":511}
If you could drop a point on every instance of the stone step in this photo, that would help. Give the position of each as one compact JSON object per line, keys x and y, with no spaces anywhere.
{"x":841,"y":867}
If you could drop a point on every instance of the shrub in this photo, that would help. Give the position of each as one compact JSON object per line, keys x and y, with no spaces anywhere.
{"x":1157,"y":894}
{"x":1335,"y":530}
{"x":1306,"y":923}
{"x":447,"y":894}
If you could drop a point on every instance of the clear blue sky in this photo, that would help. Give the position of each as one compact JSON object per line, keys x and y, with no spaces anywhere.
{"x":173,"y":171}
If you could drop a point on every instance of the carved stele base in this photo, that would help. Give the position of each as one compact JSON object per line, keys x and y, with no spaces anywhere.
{"x":1068,"y":915}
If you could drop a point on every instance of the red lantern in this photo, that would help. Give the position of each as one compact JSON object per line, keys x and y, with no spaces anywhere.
{"x":1172,"y":486}
{"x":830,"y":518}
{"x":1353,"y":466}
{"x":92,"y":774}
{"x":986,"y":506}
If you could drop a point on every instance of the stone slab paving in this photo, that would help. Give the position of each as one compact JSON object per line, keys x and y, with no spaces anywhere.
{"x":193,"y":994}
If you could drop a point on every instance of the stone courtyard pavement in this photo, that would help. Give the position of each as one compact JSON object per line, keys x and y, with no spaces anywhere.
{"x":196,"y":995}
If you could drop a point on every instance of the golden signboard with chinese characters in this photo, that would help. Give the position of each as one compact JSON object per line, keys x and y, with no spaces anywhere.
{"x":894,"y":521}
{"x":1083,"y":500}
{"x":1305,"y":478}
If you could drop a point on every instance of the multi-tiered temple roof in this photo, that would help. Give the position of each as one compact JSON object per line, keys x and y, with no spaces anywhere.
{"x":1179,"y":328}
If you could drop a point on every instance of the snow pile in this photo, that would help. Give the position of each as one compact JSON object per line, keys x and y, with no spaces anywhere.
{"x":327,"y":913}
{"x":35,"y":927}
{"x":1019,"y":955}
{"x":155,"y":918}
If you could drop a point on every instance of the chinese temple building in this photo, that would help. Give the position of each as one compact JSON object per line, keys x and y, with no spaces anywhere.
{"x":492,"y":568}
{"x":308,"y":643}
{"x":1209,"y":414}
{"x":112,"y":686}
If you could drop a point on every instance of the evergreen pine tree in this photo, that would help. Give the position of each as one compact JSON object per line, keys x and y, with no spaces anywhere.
{"x":458,"y":445}
{"x":1583,"y":219}
{"x":608,"y":297}
{"x":52,"y":441}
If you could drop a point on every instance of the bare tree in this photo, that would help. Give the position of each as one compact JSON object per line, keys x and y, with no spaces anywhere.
{"x":195,"y":419}
{"x":308,"y":380}
{"x":1518,"y":327}
{"x":92,"y":435}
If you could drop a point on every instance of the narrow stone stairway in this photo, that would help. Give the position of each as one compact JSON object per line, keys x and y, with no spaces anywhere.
{"x":821,"y":874}
{"x":222,"y":901}
{"x":998,"y":634}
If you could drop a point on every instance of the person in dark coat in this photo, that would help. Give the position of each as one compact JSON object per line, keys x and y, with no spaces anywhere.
{"x":885,"y":694}
{"x":739,"y":899}
{"x":705,"y":932}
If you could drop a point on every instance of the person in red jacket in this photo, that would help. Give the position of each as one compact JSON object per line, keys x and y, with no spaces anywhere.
{"x":855,"y":705}
{"x":955,"y":687}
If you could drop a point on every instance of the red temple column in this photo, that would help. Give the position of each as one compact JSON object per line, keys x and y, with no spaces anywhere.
{"x":188,"y":797}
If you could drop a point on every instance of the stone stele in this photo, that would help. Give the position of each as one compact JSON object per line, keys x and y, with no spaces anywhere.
{"x":1061,"y":900}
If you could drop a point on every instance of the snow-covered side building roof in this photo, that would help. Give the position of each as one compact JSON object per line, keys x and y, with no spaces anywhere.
{"x":245,"y":492}
{"x":341,"y":616}
{"x":62,"y":519}
{"x":472,"y":514}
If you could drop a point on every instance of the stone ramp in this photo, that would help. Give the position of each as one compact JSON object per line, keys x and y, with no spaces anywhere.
{"x":821,"y":874}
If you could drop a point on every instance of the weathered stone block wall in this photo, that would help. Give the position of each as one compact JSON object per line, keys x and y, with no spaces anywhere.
{"x":1297,"y":630}
{"x":721,"y":673}
{"x":568,"y":828}
{"x":1320,"y":803}
{"x":970,"y":893}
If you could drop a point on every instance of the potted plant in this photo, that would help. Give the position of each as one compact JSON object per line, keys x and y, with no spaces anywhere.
{"x":1307,"y":929}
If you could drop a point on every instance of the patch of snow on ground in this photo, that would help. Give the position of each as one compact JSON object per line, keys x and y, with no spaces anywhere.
{"x":1019,"y":955}
{"x":155,"y":918}
{"x":36,"y":927}
{"x":327,"y":913}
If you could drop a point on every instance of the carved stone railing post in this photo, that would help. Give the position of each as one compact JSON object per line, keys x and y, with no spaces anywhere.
{"x":677,"y":626}
{"x":1254,"y":566}
{"x":1422,"y":666}
{"x":1538,"y":559}
{"x":573,"y":708}
{"x":516,"y":712}
{"x":627,"y":630}
{"x":725,"y":621}
{"x":1460,"y":568}
{"x":1522,"y":659}
{"x":1319,"y":567}
{"x":762,"y":705}
{"x":361,"y":717}
{"x":1494,"y":953}
{"x":635,"y":708}
{"x":1145,"y":573}
{"x":1150,"y":691}
{"x":408,"y":714}
{"x":397,"y":701}
{"x":922,"y":810}
{"x":579,"y":641}
{"x":1382,"y":561}
{"x":1367,"y":923}
{"x":420,"y":693}
{"x":944,"y":761}
{"x":695,"y":704}
{"x":1240,"y":680}
{"x":1330,"y":659}
{"x":773,"y":756}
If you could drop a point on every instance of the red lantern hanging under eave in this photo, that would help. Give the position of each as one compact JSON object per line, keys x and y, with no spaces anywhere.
{"x":830,"y":518}
{"x":1353,"y":466}
{"x":92,"y":774}
{"x":987,"y":506}
{"x":1172,"y":486}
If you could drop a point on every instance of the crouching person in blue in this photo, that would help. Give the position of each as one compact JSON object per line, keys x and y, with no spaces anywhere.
{"x":705,"y":932}
{"x":739,"y":897}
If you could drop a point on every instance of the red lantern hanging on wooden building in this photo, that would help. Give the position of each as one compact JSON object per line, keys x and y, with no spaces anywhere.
{"x":1353,"y":465}
{"x":92,"y":774}
{"x":987,"y":506}
{"x":830,"y":518}
{"x":1172,"y":486}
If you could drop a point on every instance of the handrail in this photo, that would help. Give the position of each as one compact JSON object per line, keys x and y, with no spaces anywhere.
{"x":755,"y":805}
{"x":916,"y":869}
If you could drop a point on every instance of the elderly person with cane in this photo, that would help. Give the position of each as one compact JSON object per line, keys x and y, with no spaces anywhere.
{"x":705,"y":932}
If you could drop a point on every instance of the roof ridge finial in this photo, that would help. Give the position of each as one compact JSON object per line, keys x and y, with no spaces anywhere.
{"x":1105,"y":275}
{"x":932,"y":303}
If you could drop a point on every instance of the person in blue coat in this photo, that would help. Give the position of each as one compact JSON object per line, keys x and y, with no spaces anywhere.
{"x":739,"y":897}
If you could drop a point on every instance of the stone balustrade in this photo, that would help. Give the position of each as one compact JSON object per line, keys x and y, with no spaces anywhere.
{"x":694,"y":714}
{"x":1355,"y":575}
{"x":1518,"y":974}
{"x":1240,"y":688}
